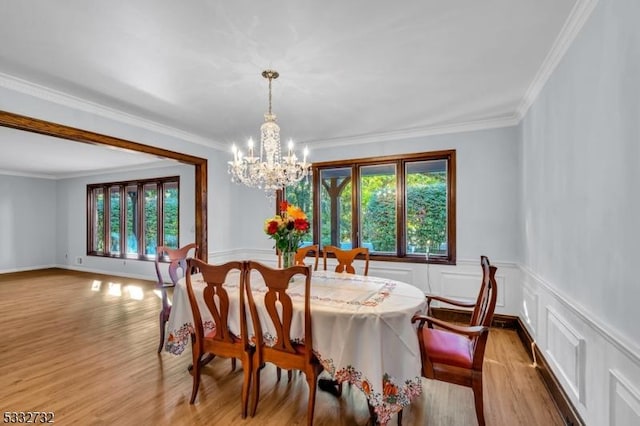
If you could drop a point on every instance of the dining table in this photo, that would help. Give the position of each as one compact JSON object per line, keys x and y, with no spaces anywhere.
{"x":361,"y":326}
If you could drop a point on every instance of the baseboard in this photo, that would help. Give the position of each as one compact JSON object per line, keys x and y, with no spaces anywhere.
{"x":566,"y":409}
{"x":26,"y":269}
{"x":563,"y":403}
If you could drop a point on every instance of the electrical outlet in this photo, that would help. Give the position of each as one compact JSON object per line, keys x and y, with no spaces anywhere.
{"x":79,"y":260}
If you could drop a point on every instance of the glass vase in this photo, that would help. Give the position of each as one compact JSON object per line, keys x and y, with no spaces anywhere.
{"x":288,"y":259}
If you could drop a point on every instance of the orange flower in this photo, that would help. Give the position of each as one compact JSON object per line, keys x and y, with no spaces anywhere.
{"x":295,"y":212}
{"x":289,"y":228}
{"x":390,"y":389}
{"x":366,"y":388}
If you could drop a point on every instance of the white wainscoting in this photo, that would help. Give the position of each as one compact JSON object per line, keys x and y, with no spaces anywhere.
{"x":624,"y":401}
{"x":598,"y":368}
{"x":461,"y":281}
{"x":529,"y":313}
{"x":565,"y":351}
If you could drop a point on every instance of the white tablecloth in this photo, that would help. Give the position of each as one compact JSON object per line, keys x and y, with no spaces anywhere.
{"x":362,"y":331}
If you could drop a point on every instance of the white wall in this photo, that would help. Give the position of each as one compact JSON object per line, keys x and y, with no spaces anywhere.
{"x":581,"y":216}
{"x":487,"y":214}
{"x":27,"y":223}
{"x":487,"y":189}
{"x":55,"y":107}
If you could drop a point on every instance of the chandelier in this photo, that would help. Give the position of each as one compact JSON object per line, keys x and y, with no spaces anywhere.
{"x":270,"y":171}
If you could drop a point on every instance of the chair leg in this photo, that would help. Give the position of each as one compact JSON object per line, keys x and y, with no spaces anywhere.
{"x":246,"y":383}
{"x":233,"y":364}
{"x":476,"y":385}
{"x":196,"y":376}
{"x":312,"y":379}
{"x":163,"y":321}
{"x":373,"y":417}
{"x":255,"y":394}
{"x":289,"y":374}
{"x":278,"y":373}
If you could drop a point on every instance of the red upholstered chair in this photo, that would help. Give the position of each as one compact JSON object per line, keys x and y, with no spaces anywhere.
{"x":345,"y":258}
{"x":176,"y":269}
{"x":285,"y":352}
{"x":455,"y":353}
{"x":219,"y":342}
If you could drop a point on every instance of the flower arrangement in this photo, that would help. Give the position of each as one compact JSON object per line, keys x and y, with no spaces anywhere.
{"x":288,"y":228}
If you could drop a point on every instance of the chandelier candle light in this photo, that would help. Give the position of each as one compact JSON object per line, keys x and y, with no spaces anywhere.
{"x":271,"y":170}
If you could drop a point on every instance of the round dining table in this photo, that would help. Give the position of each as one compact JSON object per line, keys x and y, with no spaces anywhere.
{"x":361,"y":325}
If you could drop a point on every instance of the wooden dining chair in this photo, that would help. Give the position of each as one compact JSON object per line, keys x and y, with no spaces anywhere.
{"x":284,"y":351}
{"x":345,"y":258}
{"x":221,"y":341}
{"x":455,"y":353}
{"x":302,"y":253}
{"x":299,"y":258}
{"x":176,"y":269}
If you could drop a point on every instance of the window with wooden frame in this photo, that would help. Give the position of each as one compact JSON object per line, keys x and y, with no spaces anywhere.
{"x":131,"y":219}
{"x":401,"y":207}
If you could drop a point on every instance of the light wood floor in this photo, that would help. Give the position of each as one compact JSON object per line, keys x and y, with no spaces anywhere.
{"x":70,"y":346}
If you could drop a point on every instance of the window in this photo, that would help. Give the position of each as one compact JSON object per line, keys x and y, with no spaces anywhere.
{"x":401,"y":208}
{"x":131,"y":219}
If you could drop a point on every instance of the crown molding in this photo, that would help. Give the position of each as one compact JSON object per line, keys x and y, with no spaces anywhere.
{"x":41,"y":92}
{"x":577,"y":18}
{"x":151,"y":165}
{"x":470,"y":126}
{"x":28,"y":175}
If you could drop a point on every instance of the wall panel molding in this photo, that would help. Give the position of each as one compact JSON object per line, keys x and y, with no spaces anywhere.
{"x":566,"y":350}
{"x":529,"y":311}
{"x":465,"y":286}
{"x":624,"y":401}
{"x":629,"y":349}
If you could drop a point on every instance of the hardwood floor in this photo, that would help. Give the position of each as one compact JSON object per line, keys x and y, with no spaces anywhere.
{"x":84,"y":347}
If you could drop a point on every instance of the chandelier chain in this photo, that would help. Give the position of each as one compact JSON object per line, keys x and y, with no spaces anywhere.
{"x":269,"y":95}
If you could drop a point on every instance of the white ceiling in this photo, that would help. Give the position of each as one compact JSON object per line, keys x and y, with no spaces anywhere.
{"x":348,"y":69}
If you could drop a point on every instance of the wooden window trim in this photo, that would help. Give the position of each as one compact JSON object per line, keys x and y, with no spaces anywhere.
{"x":122,"y":190}
{"x":400,"y":160}
{"x":48,"y":128}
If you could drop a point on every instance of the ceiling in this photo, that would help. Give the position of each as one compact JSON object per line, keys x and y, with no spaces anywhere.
{"x":348,"y":70}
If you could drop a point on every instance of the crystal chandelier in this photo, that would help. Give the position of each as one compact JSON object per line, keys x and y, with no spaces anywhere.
{"x":271,"y":170}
